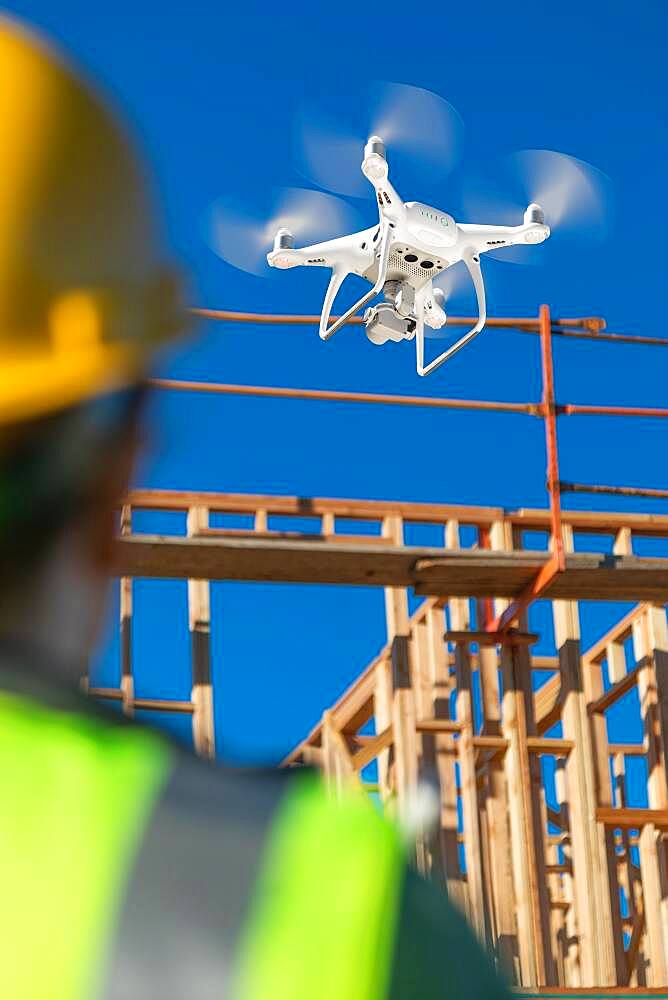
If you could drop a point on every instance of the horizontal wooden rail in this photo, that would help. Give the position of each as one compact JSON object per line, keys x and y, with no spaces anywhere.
{"x":591,"y":522}
{"x":633,"y":819}
{"x":614,"y":693}
{"x":431,"y":571}
{"x":143,"y":704}
{"x":622,"y":491}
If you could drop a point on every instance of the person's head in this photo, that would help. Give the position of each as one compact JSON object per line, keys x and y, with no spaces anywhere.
{"x":85,"y":297}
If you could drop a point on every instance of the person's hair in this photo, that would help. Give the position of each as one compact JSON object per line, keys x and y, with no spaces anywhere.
{"x":50,"y":472}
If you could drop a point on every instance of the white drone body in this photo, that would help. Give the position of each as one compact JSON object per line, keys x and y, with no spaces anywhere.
{"x":400,"y":258}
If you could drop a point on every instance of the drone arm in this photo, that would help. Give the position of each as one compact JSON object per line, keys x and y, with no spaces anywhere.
{"x":339,"y":274}
{"x":472,"y":262}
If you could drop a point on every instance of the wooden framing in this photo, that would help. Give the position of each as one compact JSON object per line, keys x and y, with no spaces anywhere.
{"x":535,"y":840}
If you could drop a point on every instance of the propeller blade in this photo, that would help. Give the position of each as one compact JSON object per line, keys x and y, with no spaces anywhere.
{"x":576,"y":197}
{"x":242,"y":236}
{"x":416,"y":125}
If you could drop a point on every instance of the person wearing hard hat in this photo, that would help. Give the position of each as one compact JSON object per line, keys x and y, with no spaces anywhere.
{"x":130,"y":869}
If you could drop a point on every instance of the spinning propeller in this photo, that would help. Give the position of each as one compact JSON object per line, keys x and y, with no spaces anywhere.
{"x":416,"y":125}
{"x":415,"y":258}
{"x":242,"y":234}
{"x":575,"y":196}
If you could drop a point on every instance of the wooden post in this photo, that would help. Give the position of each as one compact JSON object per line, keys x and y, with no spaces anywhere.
{"x":503,"y":894}
{"x":590,"y":870}
{"x":459,"y":621}
{"x":631,"y":884}
{"x":125,"y":636}
{"x":603,"y":796}
{"x":199,"y":620}
{"x":527,"y":836}
{"x":337,"y":764}
{"x":445,"y":760}
{"x":649,"y":632}
{"x":382,"y":711}
{"x":570,"y":943}
{"x":403,"y":700}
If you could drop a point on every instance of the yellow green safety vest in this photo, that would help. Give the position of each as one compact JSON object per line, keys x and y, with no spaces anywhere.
{"x":77,"y":797}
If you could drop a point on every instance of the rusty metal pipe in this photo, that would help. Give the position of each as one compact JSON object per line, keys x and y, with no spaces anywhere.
{"x":280,"y":392}
{"x":623,"y":491}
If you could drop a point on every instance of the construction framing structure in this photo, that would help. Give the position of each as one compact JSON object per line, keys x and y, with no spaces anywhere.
{"x":563,"y":880}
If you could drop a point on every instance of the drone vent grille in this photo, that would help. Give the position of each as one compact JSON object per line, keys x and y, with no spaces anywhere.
{"x":397,"y":263}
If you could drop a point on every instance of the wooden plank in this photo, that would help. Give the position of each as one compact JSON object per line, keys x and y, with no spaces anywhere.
{"x":593,"y":692}
{"x":549,"y":745}
{"x":537,"y":965}
{"x":531,"y":898}
{"x":438,"y":726}
{"x":570,"y":943}
{"x":359,"y":510}
{"x":591,"y":522}
{"x":372,"y":748}
{"x":430,"y":571}
{"x":495,"y":803}
{"x":614,"y":693}
{"x":483,"y":638}
{"x":199,"y":620}
{"x":382,"y":711}
{"x":443,"y":686}
{"x":337,"y":762}
{"x":547,"y":703}
{"x":632,"y":818}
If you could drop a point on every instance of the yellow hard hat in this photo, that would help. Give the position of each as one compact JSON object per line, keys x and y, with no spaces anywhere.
{"x":84,"y":293}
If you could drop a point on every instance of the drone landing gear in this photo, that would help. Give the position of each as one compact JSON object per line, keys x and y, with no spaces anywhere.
{"x":472,"y":262}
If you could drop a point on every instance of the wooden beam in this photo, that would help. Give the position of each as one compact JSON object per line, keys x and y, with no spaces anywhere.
{"x":510,"y":638}
{"x":630,"y":818}
{"x":614,"y":693}
{"x":199,"y":618}
{"x":430,"y":571}
{"x":374,"y":746}
{"x":549,"y":745}
{"x":590,"y":522}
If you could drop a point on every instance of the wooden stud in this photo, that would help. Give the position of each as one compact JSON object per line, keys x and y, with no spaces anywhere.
{"x":199,"y":617}
{"x":647,"y":631}
{"x":592,"y":890}
{"x":459,"y":619}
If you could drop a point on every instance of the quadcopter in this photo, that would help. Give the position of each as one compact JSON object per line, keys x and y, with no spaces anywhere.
{"x":400,"y":257}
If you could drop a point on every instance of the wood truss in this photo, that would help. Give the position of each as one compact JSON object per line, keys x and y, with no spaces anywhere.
{"x":564,"y":881}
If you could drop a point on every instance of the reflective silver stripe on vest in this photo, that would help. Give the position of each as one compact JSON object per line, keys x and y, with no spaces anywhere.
{"x":194,"y":874}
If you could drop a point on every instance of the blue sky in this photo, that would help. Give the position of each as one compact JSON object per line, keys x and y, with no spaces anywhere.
{"x":211,"y":90}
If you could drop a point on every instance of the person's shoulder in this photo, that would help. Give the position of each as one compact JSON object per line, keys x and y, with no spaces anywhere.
{"x":436,"y":955}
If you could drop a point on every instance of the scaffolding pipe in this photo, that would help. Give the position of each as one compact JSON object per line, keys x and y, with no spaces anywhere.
{"x":280,"y":392}
{"x":582,"y":328}
{"x":622,"y":491}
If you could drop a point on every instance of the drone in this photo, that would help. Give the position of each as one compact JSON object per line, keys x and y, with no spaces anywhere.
{"x":400,"y":257}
